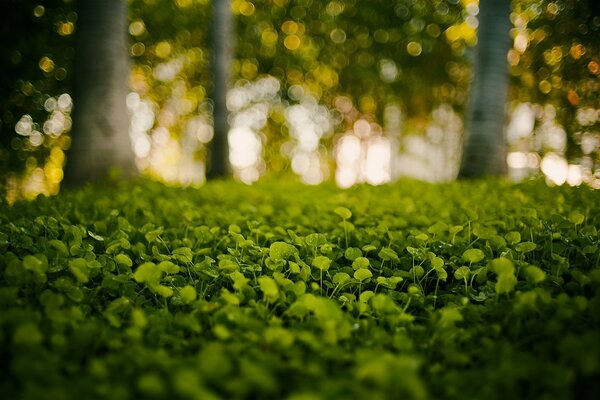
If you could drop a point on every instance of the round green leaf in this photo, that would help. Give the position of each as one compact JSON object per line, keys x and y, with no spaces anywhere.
{"x":360,"y":262}
{"x":362,"y":274}
{"x":282,"y":251}
{"x":388,"y":254}
{"x":187,"y":294}
{"x":534,"y":274}
{"x":462,"y":273}
{"x":321,"y":262}
{"x":525,"y":247}
{"x":473,"y":255}
{"x":343,"y":212}
{"x":340,"y":278}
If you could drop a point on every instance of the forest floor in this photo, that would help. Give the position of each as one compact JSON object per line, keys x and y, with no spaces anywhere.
{"x":465,"y":290}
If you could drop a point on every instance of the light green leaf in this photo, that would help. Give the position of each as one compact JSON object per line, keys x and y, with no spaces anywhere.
{"x":187,"y":294}
{"x":343,"y":212}
{"x":321,"y":262}
{"x":340,"y":278}
{"x":168,"y":267}
{"x":282,"y":251}
{"x":437,"y":262}
{"x":506,"y":283}
{"x":352,"y":253}
{"x":388,"y":254}
{"x":269,"y":288}
{"x":362,"y":274}
{"x":534,"y":274}
{"x":473,"y":255}
{"x":525,"y":247}
{"x":148,"y":273}
{"x":502,"y":266}
{"x":576,"y":217}
{"x":79,"y":269}
{"x":33,"y":263}
{"x":462,"y":273}
{"x":360,"y":262}
{"x":123,"y":259}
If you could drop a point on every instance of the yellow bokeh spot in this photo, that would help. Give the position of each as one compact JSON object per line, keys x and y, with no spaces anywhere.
{"x":195,"y":55}
{"x":594,"y":67}
{"x":249,"y":69}
{"x":292,"y":42}
{"x":528,"y":79}
{"x":163,"y":49}
{"x":545,"y":86}
{"x":325,"y":76}
{"x":295,"y":76}
{"x":57,"y":156}
{"x":414,"y":48}
{"x":137,"y":27}
{"x":269,"y":37}
{"x":53,"y":173}
{"x":337,"y":36}
{"x":183,"y":3}
{"x":138,"y":49}
{"x":289,"y":27}
{"x":367,"y":104}
{"x":46,"y":64}
{"x":461,"y":32}
{"x":247,"y":8}
{"x":552,"y":8}
{"x":65,"y":29}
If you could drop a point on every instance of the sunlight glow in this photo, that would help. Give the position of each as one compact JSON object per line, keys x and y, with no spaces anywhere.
{"x":555,"y":168}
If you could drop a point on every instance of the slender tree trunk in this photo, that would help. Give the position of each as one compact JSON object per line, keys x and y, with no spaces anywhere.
{"x":100,"y":134}
{"x":485,"y":148}
{"x":222,"y":49}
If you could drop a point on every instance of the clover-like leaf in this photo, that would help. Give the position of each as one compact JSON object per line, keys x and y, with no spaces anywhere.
{"x":36,"y":264}
{"x":269,"y":288}
{"x":534,"y":274}
{"x":123,"y":260}
{"x":360,"y":262}
{"x":79,"y":269}
{"x":388,"y":254}
{"x":352,"y":253}
{"x":340,"y":278}
{"x":525,"y":247}
{"x":282,"y":251}
{"x":343,"y":212}
{"x":502,"y":266}
{"x":506,"y":283}
{"x":148,"y":273}
{"x":462,"y":273}
{"x":321,"y":262}
{"x":437,"y":262}
{"x":187,"y":294}
{"x":362,"y":274}
{"x":473,"y":255}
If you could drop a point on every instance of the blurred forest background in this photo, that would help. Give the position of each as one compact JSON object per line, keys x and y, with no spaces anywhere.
{"x":345,"y":90}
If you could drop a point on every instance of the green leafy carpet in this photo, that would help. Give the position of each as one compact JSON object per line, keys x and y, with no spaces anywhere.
{"x":461,"y":291}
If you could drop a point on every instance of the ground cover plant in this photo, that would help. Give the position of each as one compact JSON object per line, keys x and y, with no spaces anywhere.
{"x":459,"y":291}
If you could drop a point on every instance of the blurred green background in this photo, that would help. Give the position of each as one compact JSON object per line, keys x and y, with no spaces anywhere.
{"x":347,"y":90}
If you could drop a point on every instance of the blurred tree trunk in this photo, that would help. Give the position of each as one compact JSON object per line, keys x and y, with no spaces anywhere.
{"x":100,"y":134}
{"x":222,"y":48}
{"x":485,"y":149}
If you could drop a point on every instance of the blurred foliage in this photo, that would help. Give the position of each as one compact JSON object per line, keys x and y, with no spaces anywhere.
{"x":354,"y":57}
{"x":36,"y":57}
{"x":555,"y":60}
